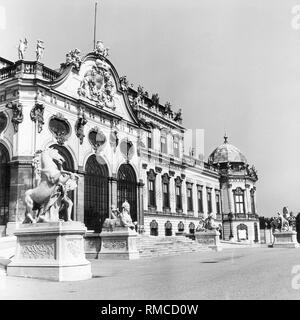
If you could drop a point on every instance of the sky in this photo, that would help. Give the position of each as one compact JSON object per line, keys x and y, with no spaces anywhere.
{"x":230,"y":65}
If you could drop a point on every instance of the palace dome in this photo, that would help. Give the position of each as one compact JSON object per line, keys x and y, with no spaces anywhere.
{"x":225,"y":153}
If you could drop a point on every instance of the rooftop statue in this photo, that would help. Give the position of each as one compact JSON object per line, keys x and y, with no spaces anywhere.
{"x":178,"y":116}
{"x":39,"y":50}
{"x":50,"y":197}
{"x":73,"y":58}
{"x":100,"y":49}
{"x":22,"y":48}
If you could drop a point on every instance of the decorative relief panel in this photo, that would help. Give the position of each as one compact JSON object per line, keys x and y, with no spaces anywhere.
{"x":75,"y":247}
{"x":98,"y":85}
{"x":115,"y":245}
{"x":60,"y":128}
{"x":37,"y":250}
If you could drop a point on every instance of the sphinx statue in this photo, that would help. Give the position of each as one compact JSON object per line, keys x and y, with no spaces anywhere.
{"x":119,"y":219}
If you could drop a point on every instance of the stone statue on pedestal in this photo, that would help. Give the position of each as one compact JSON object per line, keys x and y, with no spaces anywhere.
{"x":39,"y":50}
{"x":119,"y":219}
{"x":50,"y":197}
{"x":22,"y":48}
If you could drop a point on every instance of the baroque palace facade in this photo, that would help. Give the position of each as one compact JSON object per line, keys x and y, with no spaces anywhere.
{"x":123,"y":144}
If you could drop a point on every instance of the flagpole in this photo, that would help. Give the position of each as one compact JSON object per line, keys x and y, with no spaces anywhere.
{"x":95,"y":23}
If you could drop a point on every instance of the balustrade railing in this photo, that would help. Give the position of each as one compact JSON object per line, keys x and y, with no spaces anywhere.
{"x":49,"y":74}
{"x":28,"y":67}
{"x":7,"y":72}
{"x":238,"y":216}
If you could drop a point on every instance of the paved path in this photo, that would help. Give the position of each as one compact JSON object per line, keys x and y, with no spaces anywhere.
{"x":246,"y":273}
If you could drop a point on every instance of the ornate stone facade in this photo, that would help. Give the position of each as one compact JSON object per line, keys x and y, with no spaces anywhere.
{"x":112,"y":135}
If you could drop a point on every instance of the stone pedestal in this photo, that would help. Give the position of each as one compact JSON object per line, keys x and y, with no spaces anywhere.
{"x":210,"y":238}
{"x":51,"y":251}
{"x":285,"y":239}
{"x":92,"y":245}
{"x":119,"y":244}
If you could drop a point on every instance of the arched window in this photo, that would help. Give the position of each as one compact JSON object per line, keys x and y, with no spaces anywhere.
{"x":153,"y":228}
{"x":95,"y":193}
{"x":4,"y":184}
{"x":239,"y":203}
{"x":151,"y":175}
{"x":168,"y":228}
{"x":127,"y":189}
{"x":242,"y":232}
{"x":180,"y":226}
{"x":192,"y":228}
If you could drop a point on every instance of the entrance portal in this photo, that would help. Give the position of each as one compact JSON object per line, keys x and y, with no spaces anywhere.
{"x":95,"y":194}
{"x":127,"y":189}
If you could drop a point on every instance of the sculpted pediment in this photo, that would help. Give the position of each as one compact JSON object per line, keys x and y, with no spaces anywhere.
{"x":94,"y":80}
{"x":97,"y":84}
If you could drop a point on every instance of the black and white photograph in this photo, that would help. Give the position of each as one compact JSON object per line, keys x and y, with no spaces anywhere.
{"x":149,"y":151}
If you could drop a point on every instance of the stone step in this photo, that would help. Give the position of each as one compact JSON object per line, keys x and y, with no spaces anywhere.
{"x":151,"y":246}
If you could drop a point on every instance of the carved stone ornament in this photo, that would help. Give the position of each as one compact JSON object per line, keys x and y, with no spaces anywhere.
{"x":114,"y":139}
{"x":97,"y":139}
{"x":17,"y":116}
{"x":98,"y":85}
{"x":73,"y":58}
{"x":38,"y":250}
{"x":178,"y":116}
{"x":60,"y":128}
{"x":100,"y":50}
{"x":37,"y":115}
{"x":79,"y":125}
{"x":127,"y":149}
{"x":124,"y":83}
{"x":155,"y":99}
{"x":3,"y":121}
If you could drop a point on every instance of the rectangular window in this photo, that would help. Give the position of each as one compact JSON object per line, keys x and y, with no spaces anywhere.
{"x":200,"y":200}
{"x":166,"y":203}
{"x":209,"y":203}
{"x":189,"y":192}
{"x":163,"y":144}
{"x":176,"y":148}
{"x":151,"y":189}
{"x":149,"y":140}
{"x":239,"y":203}
{"x":252,"y":202}
{"x":218,"y":204}
{"x":178,"y":198}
